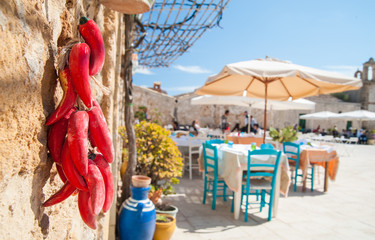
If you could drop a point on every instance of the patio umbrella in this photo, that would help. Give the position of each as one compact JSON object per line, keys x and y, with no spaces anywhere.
{"x":361,"y":115}
{"x":319,"y":115}
{"x":221,"y":100}
{"x":298,"y":104}
{"x":276,"y":80}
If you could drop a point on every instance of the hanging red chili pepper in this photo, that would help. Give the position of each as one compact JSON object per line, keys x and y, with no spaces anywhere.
{"x":79,"y":60}
{"x":91,"y":33}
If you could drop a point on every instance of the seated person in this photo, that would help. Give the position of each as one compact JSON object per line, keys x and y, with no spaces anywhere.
{"x":363,"y":138}
{"x":175,"y":126}
{"x":194,"y":129}
{"x":236,"y":128}
{"x":257,"y":130}
{"x":323,"y":132}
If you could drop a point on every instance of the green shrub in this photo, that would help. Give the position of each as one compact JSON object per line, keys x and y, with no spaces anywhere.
{"x":157,"y":155}
{"x":287,"y":134}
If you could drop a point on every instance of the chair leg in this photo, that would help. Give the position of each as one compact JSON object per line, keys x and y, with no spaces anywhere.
{"x":214,"y":194}
{"x":232,"y":207}
{"x":270,"y":205}
{"x":247,"y":202}
{"x":190,"y":164}
{"x":225,"y":192}
{"x":312,"y":178}
{"x":262,"y":199}
{"x":205,"y":190}
{"x":295,"y":179}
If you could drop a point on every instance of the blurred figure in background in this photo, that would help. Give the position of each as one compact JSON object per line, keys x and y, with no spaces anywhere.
{"x":252,"y":123}
{"x":224,"y":124}
{"x":246,"y":127}
{"x":194,"y":129}
{"x":175,"y":125}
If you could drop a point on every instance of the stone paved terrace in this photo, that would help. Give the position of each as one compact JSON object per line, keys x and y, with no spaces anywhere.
{"x":346,"y":211}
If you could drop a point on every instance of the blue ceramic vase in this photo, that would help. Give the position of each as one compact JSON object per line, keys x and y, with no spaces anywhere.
{"x":137,"y":218}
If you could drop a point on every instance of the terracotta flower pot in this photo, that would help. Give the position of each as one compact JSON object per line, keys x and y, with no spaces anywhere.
{"x":165,"y":230}
{"x":140,"y":181}
{"x":128,"y":6}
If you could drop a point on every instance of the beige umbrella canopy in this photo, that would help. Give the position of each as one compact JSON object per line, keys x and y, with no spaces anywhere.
{"x":276,"y":80}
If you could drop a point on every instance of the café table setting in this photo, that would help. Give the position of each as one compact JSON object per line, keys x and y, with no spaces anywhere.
{"x":232,"y":161}
{"x":322,"y":155}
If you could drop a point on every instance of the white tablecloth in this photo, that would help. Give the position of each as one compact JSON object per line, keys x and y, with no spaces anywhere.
{"x":232,"y":163}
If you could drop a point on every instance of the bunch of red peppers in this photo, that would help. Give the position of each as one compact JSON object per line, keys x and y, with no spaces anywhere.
{"x":83,"y":169}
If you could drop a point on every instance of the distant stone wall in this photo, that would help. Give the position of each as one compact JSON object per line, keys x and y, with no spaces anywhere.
{"x":31,"y":34}
{"x":209,"y":115}
{"x":160,"y":107}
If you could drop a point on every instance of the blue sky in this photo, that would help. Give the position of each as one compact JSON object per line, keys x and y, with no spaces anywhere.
{"x":330,"y":35}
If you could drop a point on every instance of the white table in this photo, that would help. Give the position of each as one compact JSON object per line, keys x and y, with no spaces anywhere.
{"x":232,"y":163}
{"x":188,"y":146}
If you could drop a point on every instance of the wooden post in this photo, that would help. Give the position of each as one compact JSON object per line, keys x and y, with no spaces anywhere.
{"x":265,"y":110}
{"x":326,"y":177}
{"x":129,"y":115}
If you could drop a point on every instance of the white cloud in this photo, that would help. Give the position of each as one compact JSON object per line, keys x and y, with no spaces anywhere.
{"x":344,"y":69}
{"x":142,"y":70}
{"x":192,"y":69}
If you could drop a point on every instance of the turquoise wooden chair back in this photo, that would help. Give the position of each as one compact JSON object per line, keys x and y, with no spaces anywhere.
{"x":270,"y":169}
{"x":210,"y":159}
{"x":215,"y":141}
{"x":260,"y":170}
{"x":266,"y":146}
{"x":292,"y":150}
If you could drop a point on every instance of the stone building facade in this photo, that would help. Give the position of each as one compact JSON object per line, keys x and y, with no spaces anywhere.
{"x":367,"y":92}
{"x":32,"y":33}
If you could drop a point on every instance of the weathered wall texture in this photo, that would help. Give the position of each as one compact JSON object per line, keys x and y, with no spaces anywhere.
{"x":160,"y":107}
{"x":31,"y":33}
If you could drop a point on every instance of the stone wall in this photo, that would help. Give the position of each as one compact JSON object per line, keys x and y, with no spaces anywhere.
{"x":160,"y":107}
{"x":32,"y":33}
{"x":209,"y":115}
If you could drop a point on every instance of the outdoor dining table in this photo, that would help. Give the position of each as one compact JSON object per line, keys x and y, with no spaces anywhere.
{"x":245,"y":140}
{"x":183,"y":142}
{"x":323,"y":155}
{"x":233,"y":161}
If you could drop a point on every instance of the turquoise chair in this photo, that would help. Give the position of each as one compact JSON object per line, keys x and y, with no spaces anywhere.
{"x":266,"y":146}
{"x":255,"y":181}
{"x":212,"y":182}
{"x":292,"y":150}
{"x":215,"y":141}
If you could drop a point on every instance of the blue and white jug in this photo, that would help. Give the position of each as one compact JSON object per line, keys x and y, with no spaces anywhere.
{"x":137,"y":218}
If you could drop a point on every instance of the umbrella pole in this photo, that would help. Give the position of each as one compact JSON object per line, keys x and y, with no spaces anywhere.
{"x":265,"y":112}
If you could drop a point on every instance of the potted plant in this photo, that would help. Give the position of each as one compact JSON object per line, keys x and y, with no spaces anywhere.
{"x":166,"y":208}
{"x":165,"y":226}
{"x":157,"y":157}
{"x":287,"y":134}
